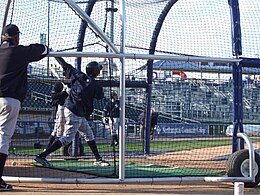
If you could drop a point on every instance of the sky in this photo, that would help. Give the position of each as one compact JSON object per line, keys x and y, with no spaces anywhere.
{"x":192,"y":27}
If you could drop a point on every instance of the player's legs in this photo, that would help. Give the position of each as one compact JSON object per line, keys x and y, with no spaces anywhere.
{"x":151,"y":132}
{"x":58,"y":126}
{"x":142,"y":131}
{"x":116,"y":125}
{"x":9,"y":110}
{"x":72,"y":125}
{"x":87,"y":133}
{"x":114,"y":131}
{"x":60,"y":120}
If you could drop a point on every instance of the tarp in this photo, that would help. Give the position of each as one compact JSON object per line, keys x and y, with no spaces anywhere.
{"x":171,"y":65}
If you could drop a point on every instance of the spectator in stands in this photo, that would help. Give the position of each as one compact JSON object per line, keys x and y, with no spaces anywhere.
{"x":141,"y":121}
{"x":154,"y":120}
{"x":78,"y":108}
{"x":111,"y":117}
{"x":230,"y":82}
{"x":14,"y":60}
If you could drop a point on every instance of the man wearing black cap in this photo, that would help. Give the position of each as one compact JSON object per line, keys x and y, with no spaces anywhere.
{"x":14,"y":59}
{"x":78,"y":108}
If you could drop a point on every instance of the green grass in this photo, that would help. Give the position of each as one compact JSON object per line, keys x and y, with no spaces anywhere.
{"x":138,"y":146}
{"x":179,"y":145}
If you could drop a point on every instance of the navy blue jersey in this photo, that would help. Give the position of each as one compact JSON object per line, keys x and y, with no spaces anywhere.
{"x":84,"y":90}
{"x":13,"y":68}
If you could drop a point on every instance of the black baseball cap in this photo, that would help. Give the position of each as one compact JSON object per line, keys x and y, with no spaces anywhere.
{"x":11,"y":30}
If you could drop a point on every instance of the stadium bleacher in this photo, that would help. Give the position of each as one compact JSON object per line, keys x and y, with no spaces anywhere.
{"x":183,"y":100}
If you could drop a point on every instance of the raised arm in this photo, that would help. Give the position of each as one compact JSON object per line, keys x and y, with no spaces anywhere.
{"x":63,"y":63}
{"x":72,"y":72}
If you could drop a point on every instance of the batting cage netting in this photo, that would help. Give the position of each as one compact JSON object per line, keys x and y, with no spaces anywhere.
{"x":191,"y":82}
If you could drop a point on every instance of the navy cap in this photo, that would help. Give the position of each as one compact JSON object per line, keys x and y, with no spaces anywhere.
{"x":113,"y":94}
{"x":10,"y":30}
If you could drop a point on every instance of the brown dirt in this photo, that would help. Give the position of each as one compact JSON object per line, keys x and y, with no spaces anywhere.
{"x":128,"y":189}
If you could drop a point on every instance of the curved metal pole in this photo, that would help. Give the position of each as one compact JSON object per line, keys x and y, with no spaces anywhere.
{"x":82,"y":31}
{"x":251,"y":154}
{"x":91,"y":23}
{"x":156,"y":32}
{"x":235,"y":27}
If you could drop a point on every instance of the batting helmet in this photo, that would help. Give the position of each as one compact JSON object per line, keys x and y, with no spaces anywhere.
{"x":93,"y":69}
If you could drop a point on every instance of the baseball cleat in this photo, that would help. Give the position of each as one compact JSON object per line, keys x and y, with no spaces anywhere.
{"x":101,"y":163}
{"x":5,"y":187}
{"x":42,"y":161}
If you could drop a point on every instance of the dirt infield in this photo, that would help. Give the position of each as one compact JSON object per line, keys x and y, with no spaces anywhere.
{"x":116,"y":189}
{"x":127,"y":189}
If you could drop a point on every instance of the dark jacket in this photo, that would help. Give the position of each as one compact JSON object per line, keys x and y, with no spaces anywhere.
{"x":112,"y":109}
{"x":13,"y":68}
{"x":84,"y":89}
{"x":58,"y":96}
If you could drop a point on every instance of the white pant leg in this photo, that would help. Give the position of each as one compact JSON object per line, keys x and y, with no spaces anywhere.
{"x":72,"y":124}
{"x":114,"y":125}
{"x":86,"y":131}
{"x":59,"y":122}
{"x":9,"y":110}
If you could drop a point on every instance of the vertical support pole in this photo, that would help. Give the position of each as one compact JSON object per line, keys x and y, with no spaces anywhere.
{"x":237,"y":107}
{"x":112,"y":26}
{"x":148,"y":108}
{"x":48,"y":37}
{"x":122,"y":96}
{"x":237,"y":75}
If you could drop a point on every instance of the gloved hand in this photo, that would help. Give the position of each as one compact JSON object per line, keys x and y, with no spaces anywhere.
{"x":106,"y":120}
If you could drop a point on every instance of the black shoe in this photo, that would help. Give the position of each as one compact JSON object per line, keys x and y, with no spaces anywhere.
{"x":5,"y":187}
{"x":43,"y":161}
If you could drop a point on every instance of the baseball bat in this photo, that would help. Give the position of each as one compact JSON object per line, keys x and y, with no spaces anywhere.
{"x":6,"y":13}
